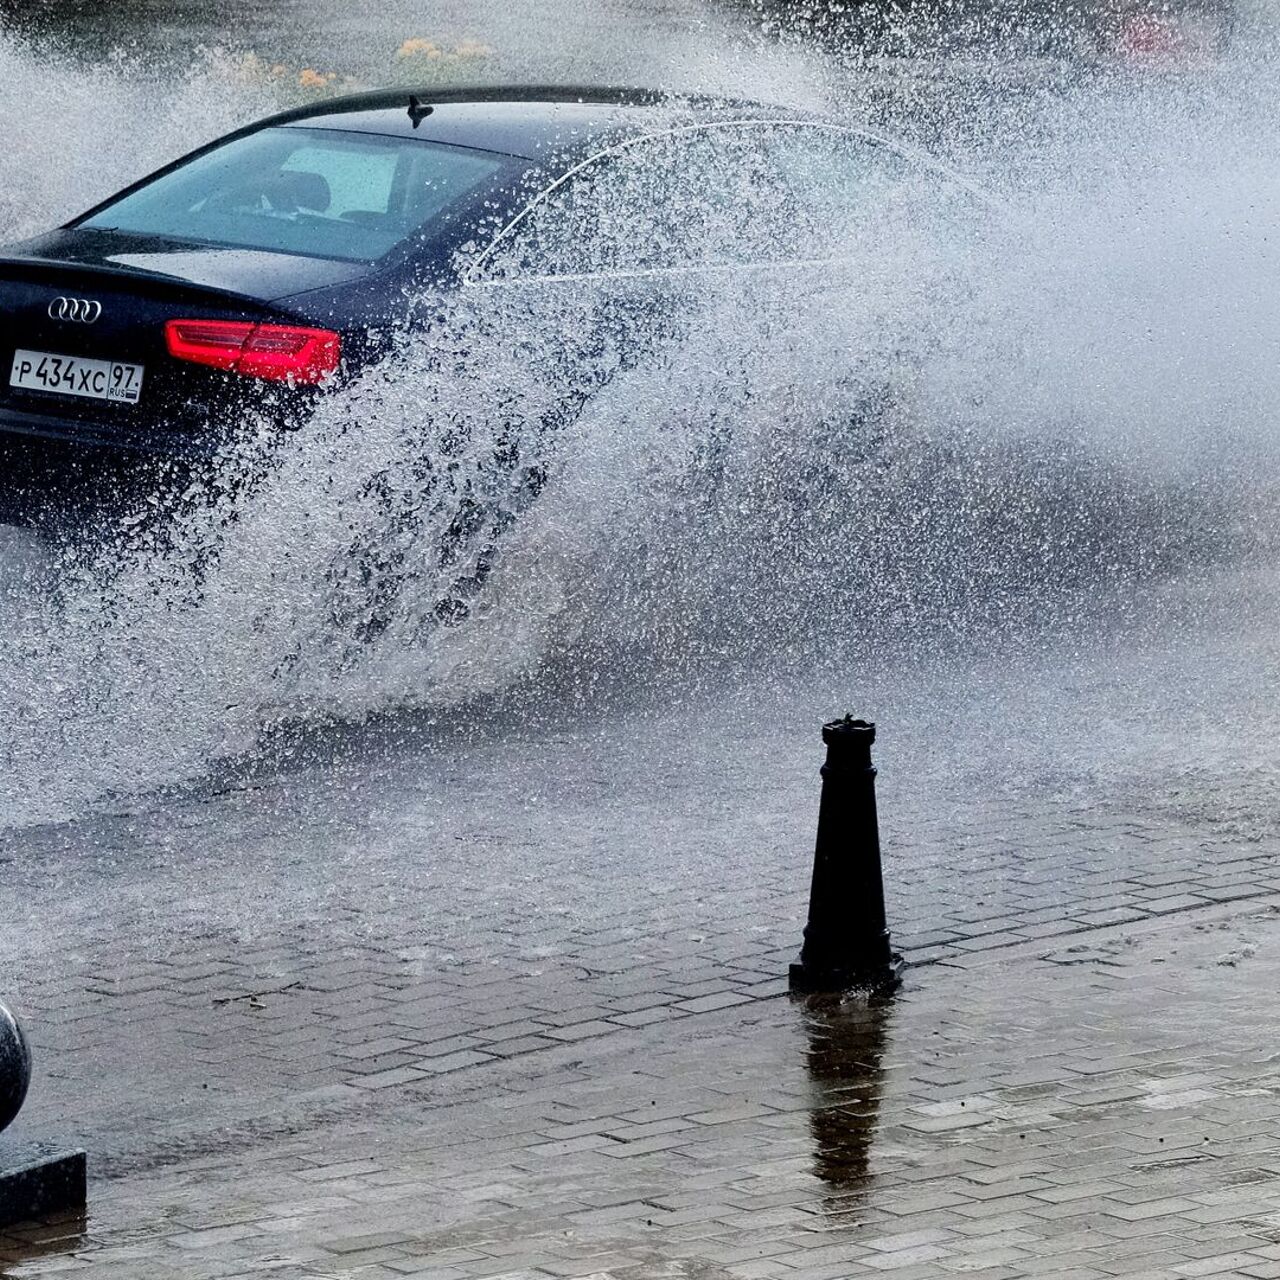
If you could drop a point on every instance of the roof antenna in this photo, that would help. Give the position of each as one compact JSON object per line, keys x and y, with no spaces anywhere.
{"x":418,"y":110}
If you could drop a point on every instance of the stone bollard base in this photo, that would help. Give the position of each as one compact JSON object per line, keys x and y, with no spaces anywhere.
{"x":37,"y":1180}
{"x":807,"y":979}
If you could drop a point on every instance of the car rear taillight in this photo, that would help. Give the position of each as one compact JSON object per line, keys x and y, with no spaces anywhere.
{"x":277,"y":352}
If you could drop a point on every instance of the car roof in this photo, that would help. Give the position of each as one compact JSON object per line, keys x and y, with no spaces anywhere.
{"x":528,"y":122}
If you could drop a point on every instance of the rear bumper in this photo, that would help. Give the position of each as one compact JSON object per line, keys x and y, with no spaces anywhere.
{"x":47,"y":482}
{"x":97,"y":436}
{"x":56,"y":471}
{"x":72,"y":474}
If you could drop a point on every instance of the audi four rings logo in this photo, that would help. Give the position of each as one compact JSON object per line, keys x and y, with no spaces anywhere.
{"x":75,"y":310}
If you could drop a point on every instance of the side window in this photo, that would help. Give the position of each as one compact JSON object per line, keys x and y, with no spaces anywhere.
{"x":847,"y":186}
{"x":836,"y":177}
{"x":742,"y":194}
{"x":694,"y":198}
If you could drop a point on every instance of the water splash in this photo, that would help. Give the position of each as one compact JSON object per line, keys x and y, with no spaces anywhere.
{"x":1077,"y":393}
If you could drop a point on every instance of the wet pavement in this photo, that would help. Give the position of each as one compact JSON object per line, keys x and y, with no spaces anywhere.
{"x":512,"y":1004}
{"x":524,"y":39}
{"x":1105,"y":1107}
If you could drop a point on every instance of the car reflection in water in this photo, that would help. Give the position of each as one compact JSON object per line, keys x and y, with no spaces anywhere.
{"x":847,"y":1041}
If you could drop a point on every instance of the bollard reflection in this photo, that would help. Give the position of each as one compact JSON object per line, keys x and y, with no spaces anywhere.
{"x":846,"y":1046}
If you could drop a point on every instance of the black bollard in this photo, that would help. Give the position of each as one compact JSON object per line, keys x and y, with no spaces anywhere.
{"x":36,"y":1178}
{"x":15,"y":1068}
{"x":846,"y":942}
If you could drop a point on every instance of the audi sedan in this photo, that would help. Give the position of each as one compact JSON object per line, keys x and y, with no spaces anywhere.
{"x":274,"y":264}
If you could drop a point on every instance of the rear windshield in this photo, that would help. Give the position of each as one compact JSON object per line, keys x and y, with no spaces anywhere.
{"x":312,"y":192}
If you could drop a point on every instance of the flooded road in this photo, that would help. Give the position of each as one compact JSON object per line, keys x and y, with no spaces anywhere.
{"x":1055,"y":561}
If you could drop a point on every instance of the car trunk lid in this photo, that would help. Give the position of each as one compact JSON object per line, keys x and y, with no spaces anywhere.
{"x":101,"y":302}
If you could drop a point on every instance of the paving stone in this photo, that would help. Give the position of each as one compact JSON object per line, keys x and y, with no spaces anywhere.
{"x":626,"y":1093}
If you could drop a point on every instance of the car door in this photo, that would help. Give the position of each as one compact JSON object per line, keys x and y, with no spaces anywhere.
{"x":882,"y":246}
{"x":741,"y":235}
{"x":641,"y":246}
{"x":678,"y":208}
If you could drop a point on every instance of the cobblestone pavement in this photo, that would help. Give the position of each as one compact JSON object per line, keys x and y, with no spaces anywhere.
{"x":516,"y":1009}
{"x":150,"y":1044}
{"x":1088,"y":1109}
{"x":1081,"y":1089}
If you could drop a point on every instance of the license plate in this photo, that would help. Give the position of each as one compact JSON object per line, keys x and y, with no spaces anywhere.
{"x":76,"y":376}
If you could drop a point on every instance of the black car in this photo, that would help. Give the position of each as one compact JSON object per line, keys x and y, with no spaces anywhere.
{"x":271,"y":256}
{"x":276,"y":263}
